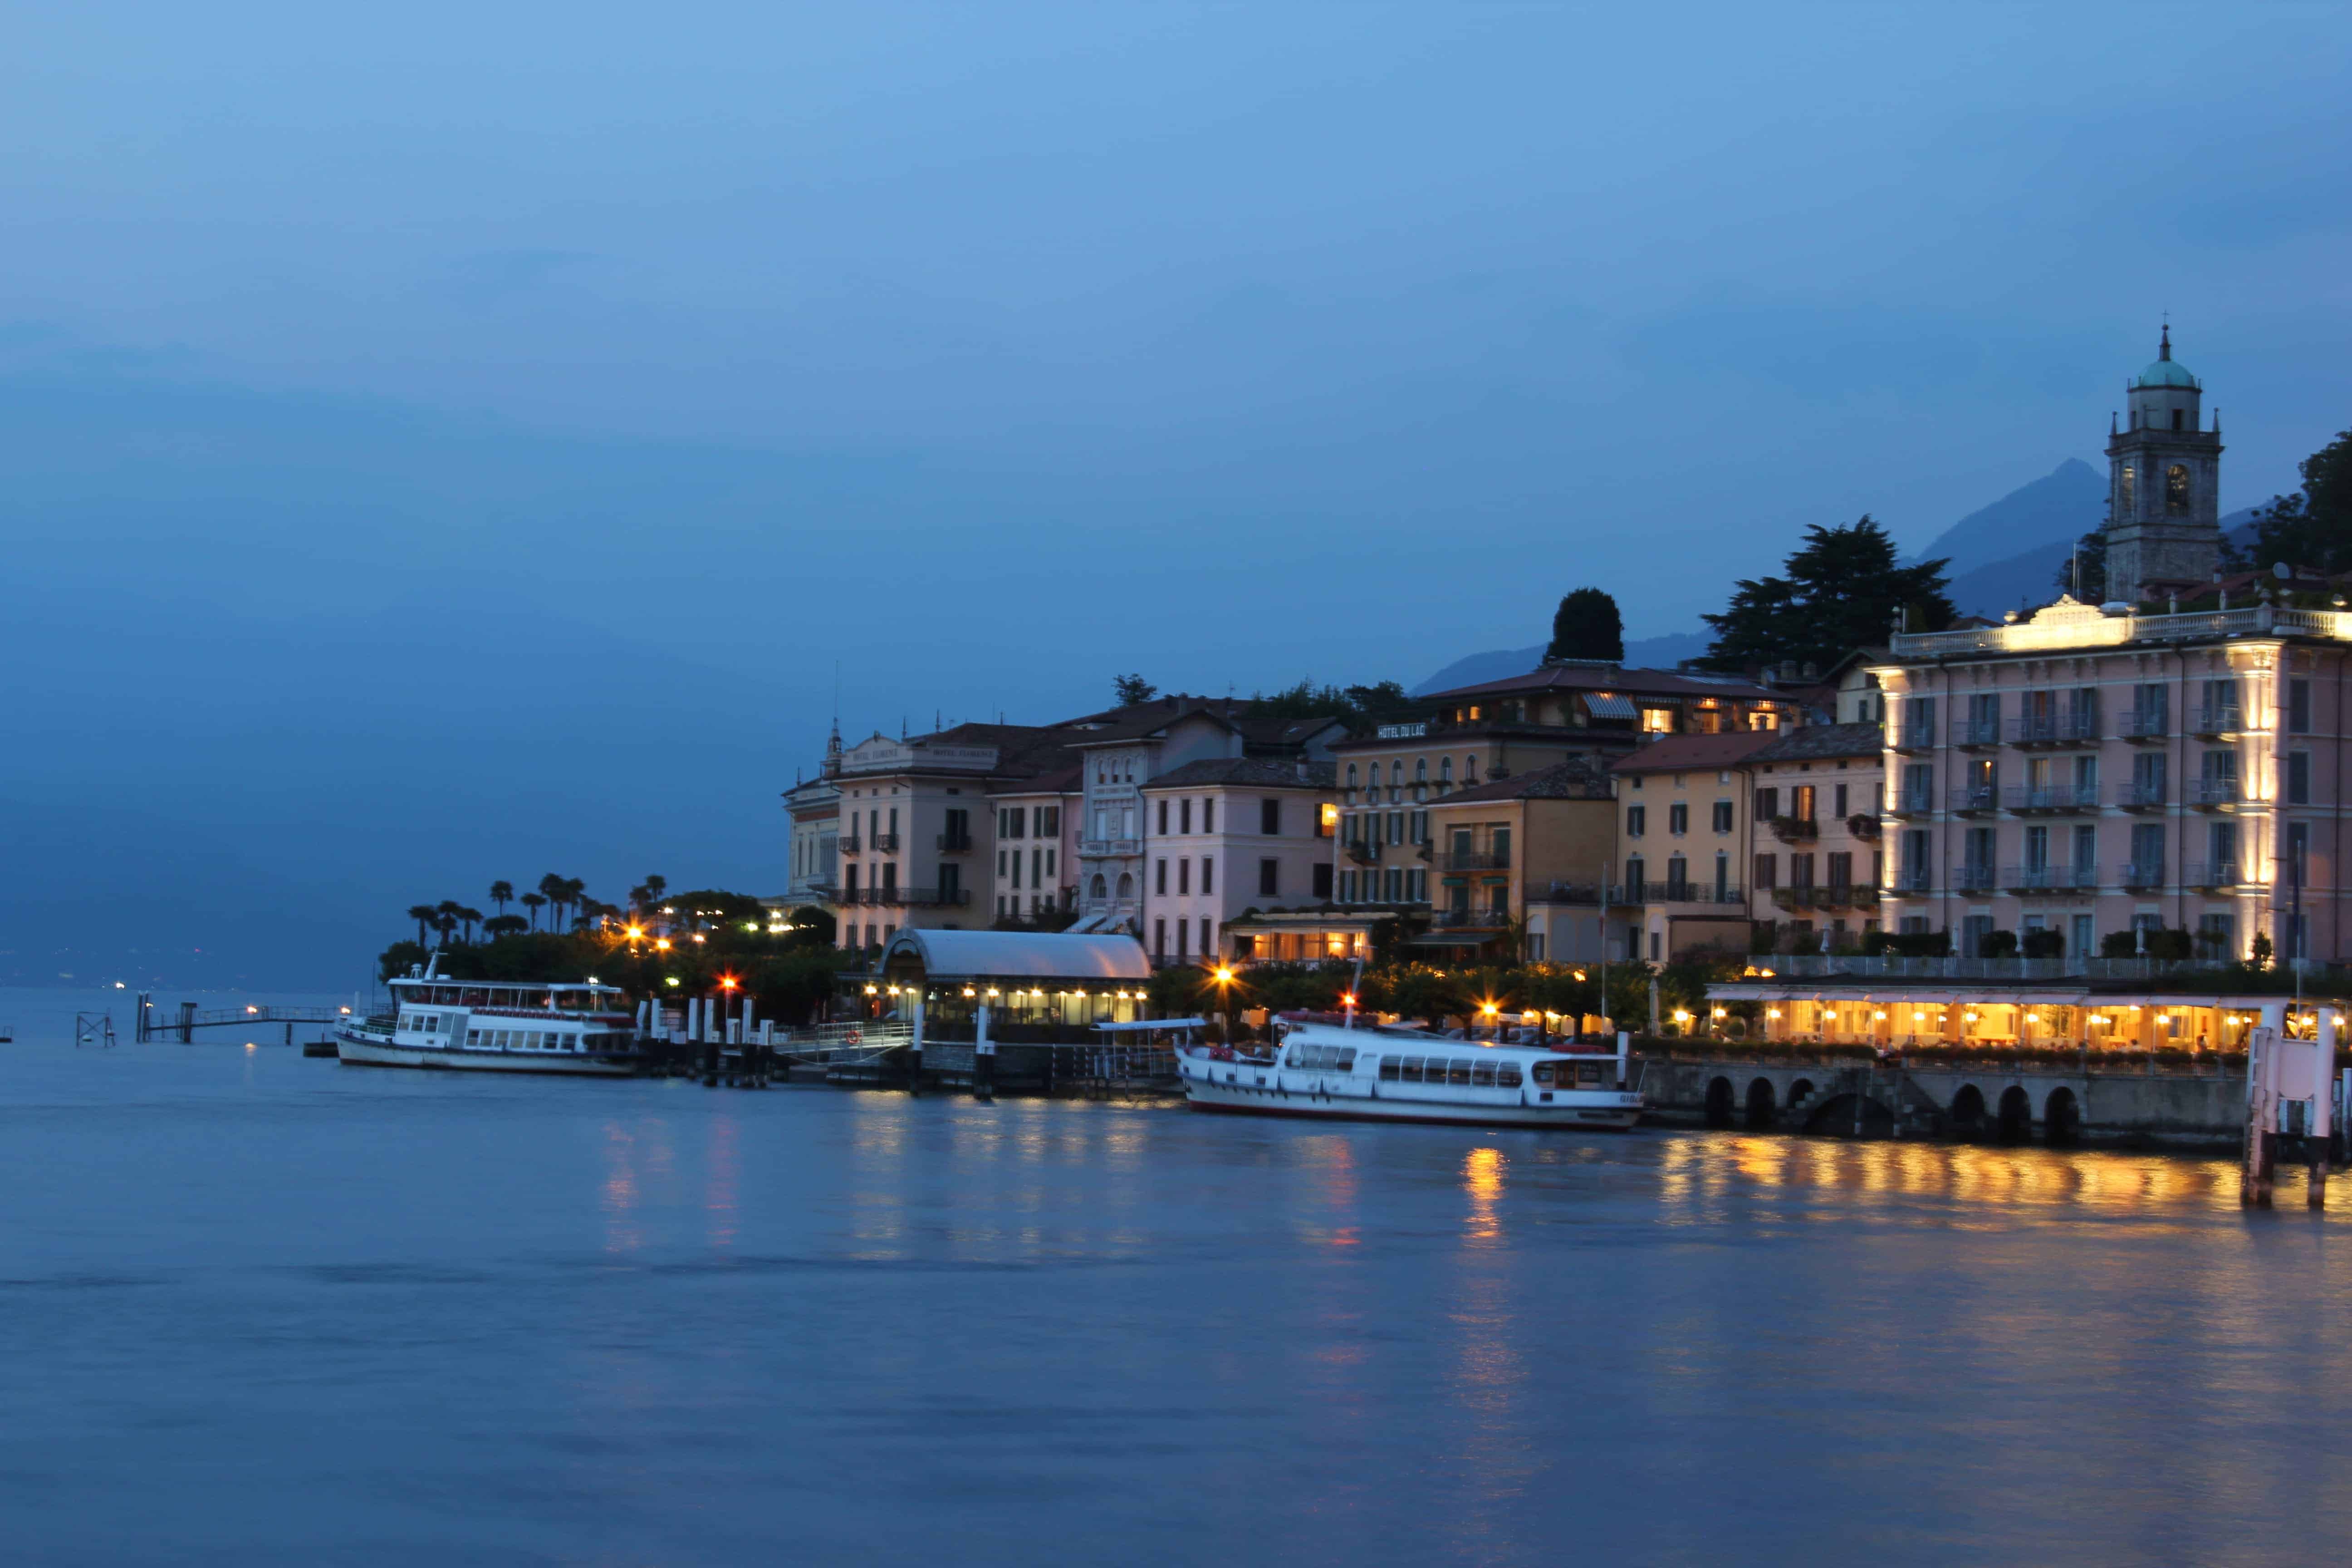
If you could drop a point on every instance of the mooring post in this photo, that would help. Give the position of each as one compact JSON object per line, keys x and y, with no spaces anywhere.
{"x":187,"y":1023}
{"x":983,"y":1058}
{"x":1624,"y":1052}
{"x":708,"y":1042}
{"x":2254,"y":1179}
{"x":914,"y":1048}
{"x":2318,"y":1145}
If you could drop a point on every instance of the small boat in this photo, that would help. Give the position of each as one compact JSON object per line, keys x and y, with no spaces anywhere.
{"x":1405,"y":1074}
{"x":497,"y":1026}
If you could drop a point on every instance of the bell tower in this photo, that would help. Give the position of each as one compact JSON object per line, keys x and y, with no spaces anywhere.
{"x":2164,"y":471}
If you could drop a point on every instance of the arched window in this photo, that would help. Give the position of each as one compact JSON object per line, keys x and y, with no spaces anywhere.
{"x":2127,"y":490}
{"x":1421,"y":770}
{"x":1127,"y":886}
{"x":1100,"y":891}
{"x":1445,"y":769}
{"x":1352,"y":775}
{"x":2175,"y":491}
{"x":1470,"y":769}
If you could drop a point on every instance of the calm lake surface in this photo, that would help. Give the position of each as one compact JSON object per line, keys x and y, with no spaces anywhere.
{"x":260,"y":1308}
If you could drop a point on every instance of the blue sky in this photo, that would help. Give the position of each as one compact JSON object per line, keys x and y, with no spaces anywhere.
{"x":394,"y":402}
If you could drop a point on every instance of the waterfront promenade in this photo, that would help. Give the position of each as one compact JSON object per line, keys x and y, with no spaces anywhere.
{"x":327,"y":1315}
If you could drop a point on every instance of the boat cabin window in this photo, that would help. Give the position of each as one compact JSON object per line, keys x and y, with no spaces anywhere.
{"x":1324,"y":1058}
{"x":1482,"y":1075}
{"x":1506,"y":1075}
{"x":1543,"y":1071}
{"x":1460,"y":1071}
{"x":1588,"y":1073}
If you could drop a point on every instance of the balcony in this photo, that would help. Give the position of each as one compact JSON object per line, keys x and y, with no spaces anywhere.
{"x":888,"y":897}
{"x":2054,"y":730}
{"x":2142,"y":874}
{"x":2142,"y":728}
{"x":2029,"y":798}
{"x":2218,"y":720}
{"x":1901,"y":737}
{"x":1968,"y":734}
{"x":1914,"y":883}
{"x":2214,"y":794}
{"x":1972,"y":880}
{"x":955,"y":843}
{"x":886,"y":844}
{"x":1969,"y":799}
{"x":1727,"y":895}
{"x":1571,"y":893}
{"x":850,"y":844}
{"x":2049,"y":878}
{"x":1477,"y":860}
{"x":2212,"y":874}
{"x":1361,"y":853}
{"x":1863,"y":825}
{"x":1471,"y":919}
{"x":1110,"y":847}
{"x":1833,"y":896}
{"x":1796,"y":829}
{"x":2141,"y":795}
{"x":948,"y":898}
{"x":1911,"y":803}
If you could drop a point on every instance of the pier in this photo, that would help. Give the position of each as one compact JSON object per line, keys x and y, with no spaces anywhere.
{"x":183,"y":1025}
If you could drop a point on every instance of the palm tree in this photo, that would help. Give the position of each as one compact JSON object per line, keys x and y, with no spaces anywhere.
{"x":422,"y":915}
{"x":502,"y":894}
{"x":503,"y":925}
{"x":446,"y":920}
{"x":575,"y":893}
{"x":534,"y":902}
{"x":655,"y":887}
{"x":472,"y":918}
{"x":554,"y":888}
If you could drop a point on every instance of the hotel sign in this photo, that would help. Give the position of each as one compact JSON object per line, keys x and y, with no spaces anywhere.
{"x":894,"y":756}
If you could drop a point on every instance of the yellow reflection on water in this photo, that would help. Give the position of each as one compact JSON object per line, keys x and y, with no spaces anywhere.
{"x":618,"y":1194}
{"x":1481,"y":1177}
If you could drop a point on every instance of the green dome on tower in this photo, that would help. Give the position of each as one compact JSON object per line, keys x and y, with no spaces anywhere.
{"x":2166,"y":371}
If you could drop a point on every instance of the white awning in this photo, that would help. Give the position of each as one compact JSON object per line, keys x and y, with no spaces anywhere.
{"x":1607,"y":705}
{"x":1143,"y":1024}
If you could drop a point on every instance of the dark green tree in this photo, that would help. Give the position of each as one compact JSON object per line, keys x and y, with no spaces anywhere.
{"x":1843,"y":590}
{"x":1133,"y":690}
{"x":1358,"y":705}
{"x":2313,"y":527}
{"x":1587,"y":626}
{"x":2084,"y":574}
{"x":422,"y":915}
{"x":502,"y":894}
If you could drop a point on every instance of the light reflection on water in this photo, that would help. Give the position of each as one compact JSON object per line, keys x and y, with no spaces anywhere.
{"x":647,"y":1322}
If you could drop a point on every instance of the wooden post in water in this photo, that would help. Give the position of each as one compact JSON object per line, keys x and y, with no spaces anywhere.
{"x":983,"y":1057}
{"x":2254,"y":1178}
{"x":915,"y":1046}
{"x":2322,"y":1132}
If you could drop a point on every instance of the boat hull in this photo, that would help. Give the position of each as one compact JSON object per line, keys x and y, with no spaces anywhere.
{"x":1250,"y":1100}
{"x":359,"y":1052}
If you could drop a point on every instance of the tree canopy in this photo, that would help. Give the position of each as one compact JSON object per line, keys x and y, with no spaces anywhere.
{"x":2084,"y":572}
{"x":2313,"y":527}
{"x":1358,"y":705}
{"x":1587,"y":626}
{"x":1132,"y":690}
{"x":1842,"y":590}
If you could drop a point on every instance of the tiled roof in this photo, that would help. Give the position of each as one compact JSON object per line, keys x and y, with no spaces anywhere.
{"x":1575,"y":779}
{"x":1816,"y":741}
{"x":1588,"y":676}
{"x":1677,"y":753}
{"x":1254,"y":772}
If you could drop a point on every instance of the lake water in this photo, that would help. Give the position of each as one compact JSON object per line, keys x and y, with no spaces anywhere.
{"x":263,"y":1309}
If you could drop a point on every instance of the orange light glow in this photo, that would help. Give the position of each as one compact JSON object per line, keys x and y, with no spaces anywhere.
{"x":727,"y":982}
{"x":662,"y":946}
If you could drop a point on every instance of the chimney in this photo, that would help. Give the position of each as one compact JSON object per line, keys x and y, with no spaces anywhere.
{"x":1812,"y":670}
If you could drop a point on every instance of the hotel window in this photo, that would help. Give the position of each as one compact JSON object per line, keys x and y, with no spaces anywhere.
{"x":1637,"y":819}
{"x":1352,"y":775}
{"x":2298,"y":778}
{"x":1421,"y":770}
{"x":1269,"y":816}
{"x":1184,"y":877}
{"x":1163,"y":819}
{"x":1208,"y":875}
{"x":1159,"y":938}
{"x":1269,"y":877}
{"x":1036,"y":864}
{"x":1208,"y":814}
{"x":1678,"y":818}
{"x":1841,"y":801}
{"x":2298,"y":707}
{"x":1470,"y":770}
{"x":1159,"y":878}
{"x":1444,"y":771}
{"x":1184,"y":815}
{"x":1723,"y":816}
{"x":1322,"y":882}
{"x":1767,"y":872}
{"x":1768,"y":804}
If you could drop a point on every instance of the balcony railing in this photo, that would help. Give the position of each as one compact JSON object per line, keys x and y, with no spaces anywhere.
{"x":1862,"y":825}
{"x":1972,"y":880}
{"x":2212,"y":792}
{"x":2143,"y":873}
{"x":952,"y":897}
{"x":886,"y":844}
{"x":2054,"y":730}
{"x":1836,"y":896}
{"x":1796,"y":829}
{"x":1956,"y":967}
{"x":850,"y":844}
{"x":1471,"y":919}
{"x":2051,"y":797}
{"x":1911,"y":803}
{"x":2110,"y":631}
{"x":1110,"y":846}
{"x":1914,"y":882}
{"x":1902,"y":737}
{"x":2140,"y":795}
{"x":1682,"y":893}
{"x":1570,"y":893}
{"x":2049,"y":878}
{"x":2210,"y":874}
{"x":1361,"y":853}
{"x":1476,"y":860}
{"x":2218,"y":718}
{"x":2139,"y":726}
{"x":1970,"y":733}
{"x":1975,"y":797}
{"x":955,"y":843}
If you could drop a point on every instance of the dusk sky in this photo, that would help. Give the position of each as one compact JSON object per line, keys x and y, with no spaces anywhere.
{"x":452,"y":442}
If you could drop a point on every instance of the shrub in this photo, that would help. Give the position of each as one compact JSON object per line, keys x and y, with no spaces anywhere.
{"x":2046,"y":942}
{"x":1997,"y":944}
{"x":2119,"y":944}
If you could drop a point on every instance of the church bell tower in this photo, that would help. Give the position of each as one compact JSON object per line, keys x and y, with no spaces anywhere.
{"x":2164,"y":471}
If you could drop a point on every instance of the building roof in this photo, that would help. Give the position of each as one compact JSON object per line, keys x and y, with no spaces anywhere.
{"x":1255,"y":772}
{"x":2166,"y":371}
{"x":1021,"y":955}
{"x":1675,"y":753}
{"x":1817,"y":741}
{"x":1575,"y":779}
{"x":1590,"y":676}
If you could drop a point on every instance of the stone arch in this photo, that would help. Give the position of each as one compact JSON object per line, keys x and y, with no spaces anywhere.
{"x":2016,"y":1114}
{"x":1719,"y":1103}
{"x":1968,"y":1112}
{"x":1851,"y":1115}
{"x":1126,"y":885}
{"x":2062,"y":1117}
{"x":1100,"y":889}
{"x":1759,"y":1105}
{"x":1799,"y":1092}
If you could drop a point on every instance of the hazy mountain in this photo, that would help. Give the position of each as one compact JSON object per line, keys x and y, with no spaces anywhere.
{"x":2056,"y":508}
{"x":2030,"y":578}
{"x":1646,"y":653}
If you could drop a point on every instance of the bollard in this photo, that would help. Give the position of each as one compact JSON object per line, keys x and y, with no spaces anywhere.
{"x":709,"y":1064}
{"x":983,"y":1070}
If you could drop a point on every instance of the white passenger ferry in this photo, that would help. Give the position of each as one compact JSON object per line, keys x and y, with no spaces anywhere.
{"x":496,"y":1025}
{"x":1403,"y":1074}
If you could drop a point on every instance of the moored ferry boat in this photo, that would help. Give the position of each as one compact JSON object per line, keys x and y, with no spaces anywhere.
{"x":1402,"y":1075}
{"x":497,"y":1026}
